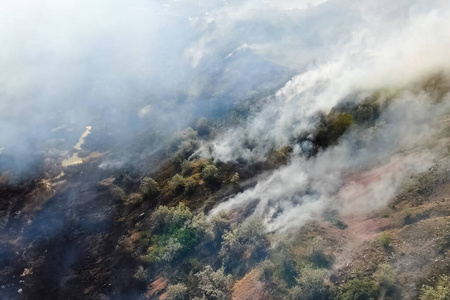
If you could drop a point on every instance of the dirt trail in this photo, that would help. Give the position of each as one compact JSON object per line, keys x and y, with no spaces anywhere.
{"x":249,"y":287}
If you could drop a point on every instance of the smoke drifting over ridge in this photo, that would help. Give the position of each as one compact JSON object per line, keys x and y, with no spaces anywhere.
{"x":380,"y":157}
{"x":160,"y":64}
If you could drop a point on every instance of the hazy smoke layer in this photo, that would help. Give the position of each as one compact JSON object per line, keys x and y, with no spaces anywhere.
{"x":129,"y":66}
{"x":132,"y":65}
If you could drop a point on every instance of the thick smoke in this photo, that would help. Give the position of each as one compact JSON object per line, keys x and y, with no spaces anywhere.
{"x":360,"y":174}
{"x":375,"y":57}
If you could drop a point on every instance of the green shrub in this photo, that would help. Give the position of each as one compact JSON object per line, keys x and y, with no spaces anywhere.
{"x":367,"y":112}
{"x":187,"y":148}
{"x":235,"y":178}
{"x":190,"y":185}
{"x":186,"y":168}
{"x":385,"y":240}
{"x":219,"y":224}
{"x":341,"y":122}
{"x":214,"y":284}
{"x":203,"y":127}
{"x":166,"y":251}
{"x":177,"y":184}
{"x":284,"y":266}
{"x":173,"y":233}
{"x":440,"y":292}
{"x":117,"y":193}
{"x":311,"y":284}
{"x":133,"y":199}
{"x":144,"y":238}
{"x":340,"y":224}
{"x":164,"y":219}
{"x":184,"y":142}
{"x":279,"y":157}
{"x":140,"y":274}
{"x":186,"y":236}
{"x":176,"y":292}
{"x":204,"y":228}
{"x":247,"y":237}
{"x":332,"y":127}
{"x":210,"y":173}
{"x":266,"y":267}
{"x":385,"y":276}
{"x":357,"y":289}
{"x":317,"y":254}
{"x":166,"y":248}
{"x":148,"y":187}
{"x":423,"y":183}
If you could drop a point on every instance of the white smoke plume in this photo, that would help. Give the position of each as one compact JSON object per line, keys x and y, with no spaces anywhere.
{"x":364,"y":171}
{"x":360,"y":174}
